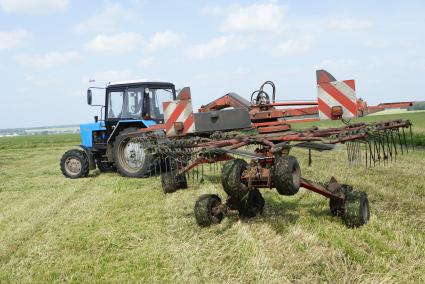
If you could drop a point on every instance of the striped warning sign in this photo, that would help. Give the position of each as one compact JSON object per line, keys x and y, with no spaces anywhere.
{"x":178,"y":116}
{"x":331,"y":92}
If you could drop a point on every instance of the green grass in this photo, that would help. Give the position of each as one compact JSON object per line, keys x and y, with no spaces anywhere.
{"x":106,"y":228}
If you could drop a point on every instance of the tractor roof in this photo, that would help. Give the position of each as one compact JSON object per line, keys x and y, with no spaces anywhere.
{"x":138,"y":82}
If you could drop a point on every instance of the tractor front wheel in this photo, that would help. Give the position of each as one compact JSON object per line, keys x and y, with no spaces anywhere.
{"x":74,"y":164}
{"x":207,"y":210}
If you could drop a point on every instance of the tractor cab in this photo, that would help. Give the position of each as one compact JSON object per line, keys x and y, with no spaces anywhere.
{"x":127,"y":105}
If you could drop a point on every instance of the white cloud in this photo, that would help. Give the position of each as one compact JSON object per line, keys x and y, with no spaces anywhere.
{"x":117,"y":43}
{"x":349,"y":25}
{"x":33,"y":6}
{"x":291,"y":47}
{"x":12,"y":39}
{"x":218,"y":46}
{"x":163,"y":40}
{"x":48,"y":60}
{"x":109,"y":19}
{"x":39,"y":81}
{"x":105,"y":77}
{"x":339,"y":65}
{"x":147,"y":62}
{"x":268,"y":17}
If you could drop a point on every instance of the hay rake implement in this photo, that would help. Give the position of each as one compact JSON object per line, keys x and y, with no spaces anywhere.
{"x":257,"y":161}
{"x":251,"y":143}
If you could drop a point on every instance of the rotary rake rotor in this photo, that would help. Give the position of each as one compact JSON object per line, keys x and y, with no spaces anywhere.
{"x":251,"y":162}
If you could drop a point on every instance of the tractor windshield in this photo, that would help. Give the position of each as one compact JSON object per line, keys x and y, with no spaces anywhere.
{"x":129,"y":103}
{"x":156,"y":98}
{"x":126,"y":104}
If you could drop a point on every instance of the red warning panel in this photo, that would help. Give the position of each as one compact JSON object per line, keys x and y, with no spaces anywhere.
{"x":331,"y":93}
{"x":178,"y":115}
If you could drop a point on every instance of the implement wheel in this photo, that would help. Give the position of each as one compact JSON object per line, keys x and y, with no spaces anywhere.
{"x":286,"y":175}
{"x":171,"y":182}
{"x":252,"y":205}
{"x":231,"y":178}
{"x":356,"y":209}
{"x":130,"y":157}
{"x":74,"y":164}
{"x":206,"y":210}
{"x":337,"y":206}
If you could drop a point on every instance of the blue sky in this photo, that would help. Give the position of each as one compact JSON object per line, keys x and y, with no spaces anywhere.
{"x":49,"y":49}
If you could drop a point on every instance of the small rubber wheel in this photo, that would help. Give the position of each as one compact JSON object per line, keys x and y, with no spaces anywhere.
{"x":206,"y":210}
{"x":252,"y":205}
{"x":286,"y":175}
{"x":171,"y":182}
{"x":231,"y":178}
{"x":357,"y":212}
{"x":181,"y":182}
{"x":337,"y":206}
{"x":74,"y":164}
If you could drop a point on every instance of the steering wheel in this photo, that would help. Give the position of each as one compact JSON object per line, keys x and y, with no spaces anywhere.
{"x":261,"y":98}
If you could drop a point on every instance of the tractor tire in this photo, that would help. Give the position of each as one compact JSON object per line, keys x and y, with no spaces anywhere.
{"x":356,"y":211}
{"x":337,"y":206}
{"x":130,"y":157}
{"x":105,"y":167}
{"x":231,"y":178}
{"x":204,"y":210}
{"x":171,"y":182}
{"x":286,"y":175}
{"x":252,"y":205}
{"x":74,"y":164}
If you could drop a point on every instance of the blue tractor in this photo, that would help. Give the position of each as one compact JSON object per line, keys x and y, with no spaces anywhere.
{"x":105,"y":144}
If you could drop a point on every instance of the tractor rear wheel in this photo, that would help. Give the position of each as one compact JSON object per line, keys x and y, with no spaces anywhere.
{"x":74,"y":164}
{"x":206,"y":210}
{"x":252,"y":205}
{"x":231,"y":178}
{"x":130,"y":156}
{"x":286,"y":175}
{"x":356,"y":211}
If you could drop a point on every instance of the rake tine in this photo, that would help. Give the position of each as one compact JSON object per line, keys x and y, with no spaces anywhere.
{"x":348,"y":151}
{"x":377,"y":149}
{"x":370,"y":154}
{"x":411,"y":137}
{"x":405,"y":142}
{"x":399,"y":141}
{"x":389,"y":148}
{"x":365,"y":150}
{"x":309,"y":158}
{"x":394,"y":145}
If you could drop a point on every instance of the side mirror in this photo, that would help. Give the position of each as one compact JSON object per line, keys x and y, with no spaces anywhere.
{"x":89,"y":97}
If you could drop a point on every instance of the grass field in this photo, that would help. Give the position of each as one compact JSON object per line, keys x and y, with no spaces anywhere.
{"x":106,"y":228}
